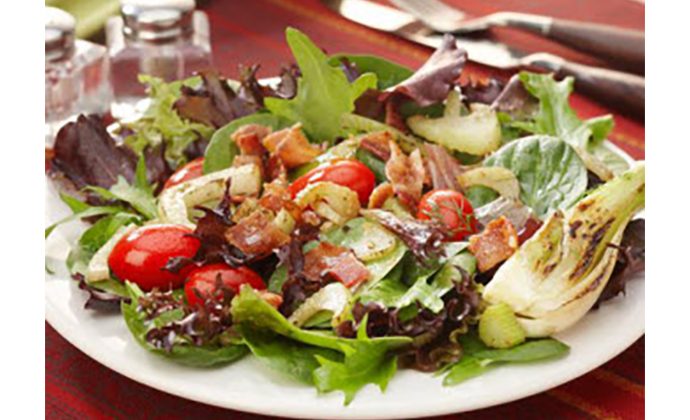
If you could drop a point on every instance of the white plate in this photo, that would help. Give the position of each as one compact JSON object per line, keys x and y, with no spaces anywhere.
{"x":250,"y":386}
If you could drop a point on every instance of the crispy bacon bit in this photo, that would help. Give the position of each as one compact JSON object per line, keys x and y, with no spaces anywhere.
{"x":327,"y":260}
{"x":256,"y":235}
{"x":275,"y":168}
{"x":443,"y":168}
{"x":248,"y":138}
{"x":291,"y":146}
{"x":276,"y":197}
{"x":380,"y":194}
{"x":406,"y":173}
{"x":377,"y":144}
{"x":495,"y":244}
{"x":271,"y":298}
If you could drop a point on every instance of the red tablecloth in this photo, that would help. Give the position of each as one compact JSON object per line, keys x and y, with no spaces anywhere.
{"x":253,"y":31}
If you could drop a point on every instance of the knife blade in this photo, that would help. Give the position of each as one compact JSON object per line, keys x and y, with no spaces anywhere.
{"x":620,"y":90}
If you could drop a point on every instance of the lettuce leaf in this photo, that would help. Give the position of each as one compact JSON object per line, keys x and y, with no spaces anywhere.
{"x":387,"y":72}
{"x":393,"y":292}
{"x":184,"y":353}
{"x":296,"y":359}
{"x":556,"y":117}
{"x":138,"y":195}
{"x":342,"y":364}
{"x":324,"y":94}
{"x":550,"y":172}
{"x":81,"y":210}
{"x":478,"y":358}
{"x":162,"y":124}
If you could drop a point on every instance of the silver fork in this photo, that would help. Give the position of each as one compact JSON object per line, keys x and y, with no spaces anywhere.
{"x":624,"y":47}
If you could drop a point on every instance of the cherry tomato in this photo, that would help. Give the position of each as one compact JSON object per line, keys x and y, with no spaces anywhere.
{"x":349,"y":173}
{"x":202,"y":282}
{"x":191,"y":170}
{"x":450,"y":208}
{"x":141,"y":255}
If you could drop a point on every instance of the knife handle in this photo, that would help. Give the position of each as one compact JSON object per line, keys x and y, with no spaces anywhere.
{"x":619,"y":90}
{"x":624,"y":47}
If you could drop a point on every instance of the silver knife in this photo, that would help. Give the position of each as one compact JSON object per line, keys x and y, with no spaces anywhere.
{"x":618,"y":89}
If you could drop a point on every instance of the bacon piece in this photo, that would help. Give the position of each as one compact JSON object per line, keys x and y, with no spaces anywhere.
{"x":327,"y":260}
{"x":275,"y":168}
{"x":271,"y":298}
{"x":380,"y":194}
{"x":406,"y":173}
{"x":248,"y":139}
{"x":443,"y":168}
{"x":257,"y":235}
{"x":276,"y":197}
{"x":291,"y":146}
{"x":377,"y":144}
{"x":495,"y":244}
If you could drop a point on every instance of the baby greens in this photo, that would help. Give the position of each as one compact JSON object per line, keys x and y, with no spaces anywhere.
{"x":478,"y":358}
{"x":340,"y":364}
{"x":323,"y":93}
{"x":551,"y":174}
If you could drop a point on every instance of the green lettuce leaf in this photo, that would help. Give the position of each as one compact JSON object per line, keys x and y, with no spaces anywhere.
{"x":138,"y":195}
{"x":162,"y":124}
{"x":81,"y":210}
{"x":141,"y":200}
{"x":394,"y":292}
{"x":187,"y":354}
{"x":550,"y":172}
{"x":293,"y":358}
{"x":478,"y":358}
{"x":387,"y":72}
{"x":366,"y":363}
{"x":555,"y":115}
{"x":343,"y":364}
{"x":323,"y":94}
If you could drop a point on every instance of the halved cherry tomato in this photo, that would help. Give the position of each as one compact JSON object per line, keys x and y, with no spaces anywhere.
{"x":141,"y":255}
{"x":450,"y":208}
{"x":191,"y":170}
{"x":202,"y":282}
{"x":349,"y":173}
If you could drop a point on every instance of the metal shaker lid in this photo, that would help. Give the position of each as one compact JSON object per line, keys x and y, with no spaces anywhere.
{"x":59,"y":33}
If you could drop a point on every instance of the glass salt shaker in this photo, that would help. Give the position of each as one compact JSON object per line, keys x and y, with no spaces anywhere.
{"x":76,"y":74}
{"x":168,"y":39}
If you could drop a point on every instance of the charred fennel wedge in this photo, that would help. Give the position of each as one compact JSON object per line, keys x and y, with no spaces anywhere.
{"x":558,"y":274}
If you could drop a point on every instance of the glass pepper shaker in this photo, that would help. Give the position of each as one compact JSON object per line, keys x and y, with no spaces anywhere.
{"x":76,"y":74}
{"x":168,"y":39}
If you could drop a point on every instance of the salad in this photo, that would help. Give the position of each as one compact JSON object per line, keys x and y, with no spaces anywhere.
{"x":351,"y":218}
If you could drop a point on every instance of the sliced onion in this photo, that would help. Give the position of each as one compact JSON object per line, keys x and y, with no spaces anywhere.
{"x":594,"y":164}
{"x":502,"y":180}
{"x":333,"y":202}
